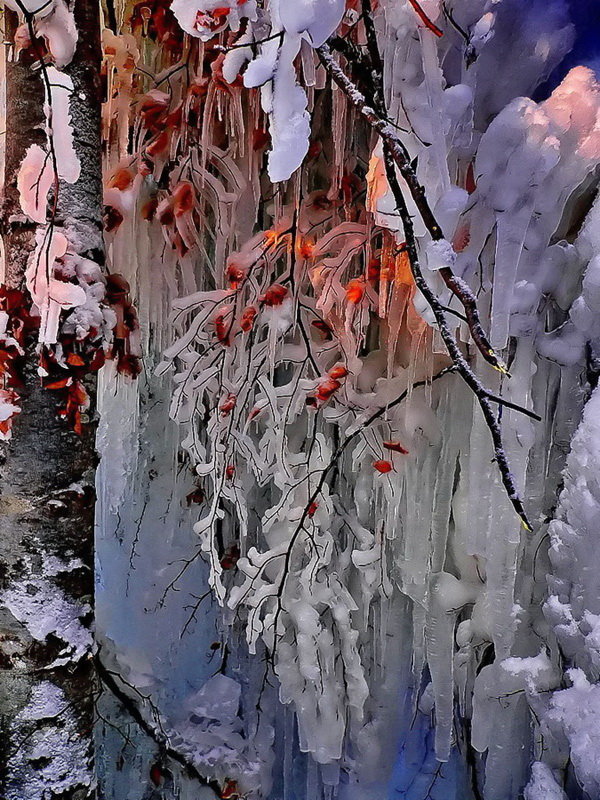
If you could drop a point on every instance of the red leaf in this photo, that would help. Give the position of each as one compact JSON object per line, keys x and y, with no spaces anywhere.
{"x":230,"y":791}
{"x":247,"y":319}
{"x":470,"y":183}
{"x":156,"y":775}
{"x":235,"y":275}
{"x":373,"y":270}
{"x":183,"y":198}
{"x":461,"y":238}
{"x":275,"y":295}
{"x":383,"y":466}
{"x":222,"y":328}
{"x":112,"y":218}
{"x":226,"y":407}
{"x":229,"y":560}
{"x":314,"y":150}
{"x":148,"y":210}
{"x":195,"y":496}
{"x":260,"y":139}
{"x":255,"y":412}
{"x":164,"y":212}
{"x":324,"y":390}
{"x":153,"y":107}
{"x":323,"y":329}
{"x":395,"y":447}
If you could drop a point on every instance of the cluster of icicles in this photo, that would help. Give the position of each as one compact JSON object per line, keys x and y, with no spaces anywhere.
{"x":342,"y":466}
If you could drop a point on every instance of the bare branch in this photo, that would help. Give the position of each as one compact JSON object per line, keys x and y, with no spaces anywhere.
{"x":115,"y":684}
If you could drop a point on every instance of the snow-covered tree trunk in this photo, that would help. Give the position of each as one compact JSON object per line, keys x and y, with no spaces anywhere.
{"x":47,"y":496}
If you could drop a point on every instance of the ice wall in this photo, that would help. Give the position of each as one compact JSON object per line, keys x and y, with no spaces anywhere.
{"x":392,"y":634}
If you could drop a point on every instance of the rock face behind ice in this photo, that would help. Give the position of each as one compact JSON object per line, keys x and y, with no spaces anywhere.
{"x":219,"y":699}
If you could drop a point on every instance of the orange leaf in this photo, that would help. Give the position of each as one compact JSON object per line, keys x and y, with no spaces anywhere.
{"x":338,"y":372}
{"x":326,"y":389}
{"x":148,"y":210}
{"x":306,"y":249}
{"x":75,"y":360}
{"x":59,"y":384}
{"x":159,"y":144}
{"x":355,"y":290}
{"x":121,"y":179}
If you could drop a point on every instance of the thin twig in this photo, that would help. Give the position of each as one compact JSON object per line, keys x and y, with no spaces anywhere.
{"x":425,"y":19}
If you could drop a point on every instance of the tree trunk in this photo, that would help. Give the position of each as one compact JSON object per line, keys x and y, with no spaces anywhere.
{"x":46,"y":473}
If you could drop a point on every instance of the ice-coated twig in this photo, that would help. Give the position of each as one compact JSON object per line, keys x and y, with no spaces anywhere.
{"x":325,"y":474}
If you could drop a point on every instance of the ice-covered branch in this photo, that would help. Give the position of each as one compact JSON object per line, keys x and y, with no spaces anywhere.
{"x":402,"y":160}
{"x":462,"y":366}
{"x":395,"y":154}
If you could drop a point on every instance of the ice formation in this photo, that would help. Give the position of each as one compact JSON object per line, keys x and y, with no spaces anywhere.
{"x":380,"y":617}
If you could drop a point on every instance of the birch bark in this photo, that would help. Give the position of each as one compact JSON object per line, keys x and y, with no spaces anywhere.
{"x":46,"y":479}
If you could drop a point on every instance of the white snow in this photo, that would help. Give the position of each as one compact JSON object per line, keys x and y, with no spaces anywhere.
{"x":43,"y":609}
{"x":55,"y":740}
